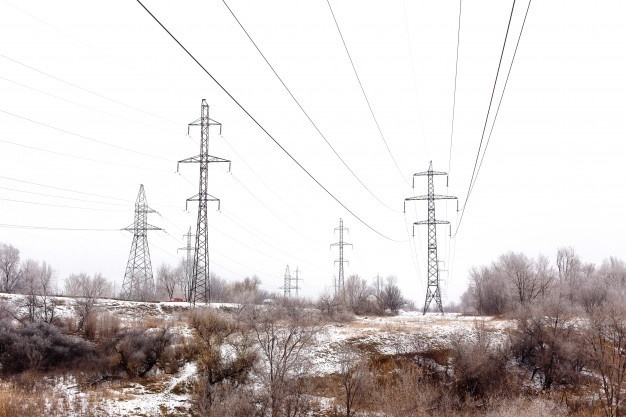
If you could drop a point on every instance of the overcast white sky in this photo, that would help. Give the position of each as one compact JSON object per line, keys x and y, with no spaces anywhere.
{"x":105,"y":104}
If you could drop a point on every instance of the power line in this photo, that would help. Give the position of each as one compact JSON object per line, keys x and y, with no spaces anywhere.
{"x":22,"y":226}
{"x":493,"y":90}
{"x":62,"y":189}
{"x":495,"y":81}
{"x":67,"y":155}
{"x":272,"y":212}
{"x":213,"y":251}
{"x":285,"y":203}
{"x":73,"y":191}
{"x":77,"y":103}
{"x":58,"y":196}
{"x":263,"y":129}
{"x":58,"y":205}
{"x":305,"y":113}
{"x":87,"y":90}
{"x":101,"y":142}
{"x":506,"y":81}
{"x":364,"y":94}
{"x":456,"y":72}
{"x":413,"y":72}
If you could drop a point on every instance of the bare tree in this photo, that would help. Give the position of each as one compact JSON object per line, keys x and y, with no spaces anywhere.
{"x":478,"y":364}
{"x":528,"y":279}
{"x":282,"y":334}
{"x":9,"y":268}
{"x":569,"y":272}
{"x":225,"y":359}
{"x":549,"y":345}
{"x":354,"y":379}
{"x":489,"y":293}
{"x":184,"y":278}
{"x":88,"y":289}
{"x":606,"y":341}
{"x":328,"y":303}
{"x":37,"y":281}
{"x":392,"y":294}
{"x":167,"y":278}
{"x":356,"y":293}
{"x":219,"y":288}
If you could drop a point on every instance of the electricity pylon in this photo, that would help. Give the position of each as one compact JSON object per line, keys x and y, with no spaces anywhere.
{"x":433,"y":289}
{"x":340,"y":280}
{"x":138,"y":281}
{"x":297,"y":278}
{"x":200,"y":282}
{"x":287,"y":283}
{"x":188,"y":265}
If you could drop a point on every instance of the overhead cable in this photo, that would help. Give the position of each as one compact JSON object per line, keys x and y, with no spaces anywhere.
{"x":54,"y":77}
{"x":305,"y":112}
{"x":456,"y":72}
{"x":382,"y":136}
{"x":267,"y":133}
{"x":495,"y":81}
{"x":101,"y":142}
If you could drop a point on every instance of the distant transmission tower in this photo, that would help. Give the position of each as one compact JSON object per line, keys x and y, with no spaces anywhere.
{"x":297,"y":278}
{"x":339,"y":287}
{"x":138,"y":280}
{"x":287,"y":283}
{"x":200,"y":289}
{"x":188,"y":265}
{"x":433,"y":290}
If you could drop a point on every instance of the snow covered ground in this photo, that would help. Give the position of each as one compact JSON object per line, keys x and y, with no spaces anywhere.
{"x":164,"y":394}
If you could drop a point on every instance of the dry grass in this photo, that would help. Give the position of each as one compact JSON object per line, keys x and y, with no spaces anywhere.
{"x":19,"y":402}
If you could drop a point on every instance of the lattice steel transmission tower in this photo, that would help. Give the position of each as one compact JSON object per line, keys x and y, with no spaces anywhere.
{"x":188,"y":264}
{"x":138,"y":281}
{"x":297,"y":278}
{"x":200,"y":289}
{"x":433,"y":290}
{"x":339,"y":287}
{"x":287,"y":283}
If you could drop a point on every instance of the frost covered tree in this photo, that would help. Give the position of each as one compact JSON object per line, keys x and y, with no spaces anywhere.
{"x":10,"y":273}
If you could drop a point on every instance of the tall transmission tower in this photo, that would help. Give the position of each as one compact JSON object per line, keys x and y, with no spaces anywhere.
{"x":297,"y":278}
{"x":200,"y":289}
{"x":138,"y":281}
{"x":287,"y":283}
{"x":339,"y":287}
{"x":188,"y":264}
{"x":433,"y":290}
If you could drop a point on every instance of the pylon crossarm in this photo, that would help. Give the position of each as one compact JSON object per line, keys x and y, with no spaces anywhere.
{"x":420,"y":174}
{"x":198,"y":122}
{"x":209,"y":198}
{"x":434,"y":197}
{"x":211,"y":159}
{"x":427,"y":222}
{"x":190,"y":160}
{"x":417,"y":197}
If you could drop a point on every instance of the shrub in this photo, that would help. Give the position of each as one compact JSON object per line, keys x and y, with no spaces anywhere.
{"x":42,"y":347}
{"x":479,"y":366}
{"x":219,"y":374}
{"x":137,"y":352}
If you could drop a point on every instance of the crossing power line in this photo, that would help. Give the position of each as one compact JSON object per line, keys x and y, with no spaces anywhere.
{"x":369,"y":105}
{"x":266,"y":132}
{"x":306,"y":114}
{"x":479,"y":159}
